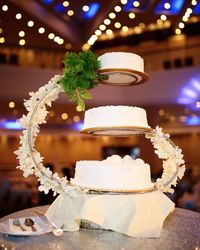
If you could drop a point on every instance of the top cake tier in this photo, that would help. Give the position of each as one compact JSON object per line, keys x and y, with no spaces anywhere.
{"x":121,"y":60}
{"x":122,"y":69}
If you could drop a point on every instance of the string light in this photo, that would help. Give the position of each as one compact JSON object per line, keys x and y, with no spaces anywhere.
{"x":30,"y":23}
{"x":98,"y":32}
{"x":18,"y":16}
{"x":107,"y":21}
{"x":11,"y":104}
{"x":2,"y":40}
{"x":65,"y":3}
{"x":177,"y":31}
{"x":163,"y":17}
{"x":136,"y":4}
{"x":181,"y":25}
{"x":41,"y":30}
{"x":22,"y":33}
{"x":102,"y":27}
{"x":85,"y":8}
{"x":117,"y":8}
{"x":22,"y":42}
{"x":109,"y":32}
{"x":51,"y":36}
{"x":5,"y":7}
{"x":117,"y":25}
{"x":167,"y":6}
{"x":64,"y":116}
{"x":124,"y":1}
{"x":70,"y":12}
{"x":125,"y":28}
{"x":112,"y":15}
{"x":194,"y":2}
{"x":78,"y":108}
{"x":131,"y":15}
{"x":76,"y":118}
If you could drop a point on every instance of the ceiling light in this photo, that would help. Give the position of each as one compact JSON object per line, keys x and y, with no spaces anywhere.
{"x":181,"y":25}
{"x":70,"y":12}
{"x":51,"y":36}
{"x":163,"y":17}
{"x":109,"y":32}
{"x":107,"y":21}
{"x":2,"y":40}
{"x":177,"y":31}
{"x":125,"y":28}
{"x":124,"y":1}
{"x":167,"y":6}
{"x":22,"y":33}
{"x":68,"y":46}
{"x":136,"y":4}
{"x":11,"y":105}
{"x":85,"y":8}
{"x":117,"y":25}
{"x":41,"y":30}
{"x":131,"y":15}
{"x":22,"y":42}
{"x":65,"y":3}
{"x":102,"y":27}
{"x":64,"y":116}
{"x":98,"y":32}
{"x":112,"y":15}
{"x":18,"y":16}
{"x":30,"y":23}
{"x":117,"y":8}
{"x":5,"y":7}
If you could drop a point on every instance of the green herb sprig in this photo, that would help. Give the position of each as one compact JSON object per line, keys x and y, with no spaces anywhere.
{"x":80,"y":75}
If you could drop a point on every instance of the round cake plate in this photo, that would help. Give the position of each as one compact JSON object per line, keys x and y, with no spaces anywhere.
{"x":123,"y":77}
{"x":116,"y":191}
{"x":116,"y":131}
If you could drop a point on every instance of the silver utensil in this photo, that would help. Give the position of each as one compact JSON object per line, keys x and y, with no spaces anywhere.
{"x":30,"y":223}
{"x":57,"y":231}
{"x":17,"y":223}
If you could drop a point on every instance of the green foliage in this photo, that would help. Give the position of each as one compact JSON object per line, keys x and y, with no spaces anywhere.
{"x":80,"y":75}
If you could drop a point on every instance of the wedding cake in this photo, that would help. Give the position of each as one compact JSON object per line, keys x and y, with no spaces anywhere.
{"x":121,"y":60}
{"x":113,"y":174}
{"x":115,"y":116}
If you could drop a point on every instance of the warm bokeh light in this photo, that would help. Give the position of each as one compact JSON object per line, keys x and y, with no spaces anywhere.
{"x":5,"y":7}
{"x":41,"y":30}
{"x":163,"y":17}
{"x":125,"y":29}
{"x":2,"y":40}
{"x":102,"y":27}
{"x":98,"y":32}
{"x":131,"y":15}
{"x":68,"y":46}
{"x":51,"y":36}
{"x":181,"y":25}
{"x":124,"y":1}
{"x":64,"y":116}
{"x":85,"y":47}
{"x":107,"y":21}
{"x":11,"y":104}
{"x":76,"y":118}
{"x":18,"y":16}
{"x":167,"y":6}
{"x":70,"y":12}
{"x":85,"y":8}
{"x":117,"y":8}
{"x":112,"y":15}
{"x":65,"y":3}
{"x":109,"y":32}
{"x":117,"y":25}
{"x":21,"y":33}
{"x":30,"y":23}
{"x":177,"y":31}
{"x":79,"y":108}
{"x":22,"y":42}
{"x":136,"y":4}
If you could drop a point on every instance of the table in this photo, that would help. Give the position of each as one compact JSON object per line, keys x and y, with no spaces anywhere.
{"x":181,"y":230}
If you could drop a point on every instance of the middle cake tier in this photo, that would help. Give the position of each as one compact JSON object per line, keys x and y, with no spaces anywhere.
{"x":113,"y":174}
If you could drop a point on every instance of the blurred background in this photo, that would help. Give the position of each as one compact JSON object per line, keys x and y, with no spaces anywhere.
{"x":34,"y":37}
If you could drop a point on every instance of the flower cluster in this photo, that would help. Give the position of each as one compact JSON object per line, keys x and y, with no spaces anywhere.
{"x":30,"y":161}
{"x":173,"y":163}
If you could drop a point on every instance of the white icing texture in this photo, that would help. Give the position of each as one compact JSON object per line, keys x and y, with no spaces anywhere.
{"x":115,"y":116}
{"x":121,"y":60}
{"x":114,"y":173}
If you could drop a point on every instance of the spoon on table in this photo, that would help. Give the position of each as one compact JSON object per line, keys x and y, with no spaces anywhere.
{"x":30,"y":223}
{"x":17,"y":223}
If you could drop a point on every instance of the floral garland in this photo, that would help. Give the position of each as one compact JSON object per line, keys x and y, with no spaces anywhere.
{"x":173,"y":163}
{"x":30,"y":160}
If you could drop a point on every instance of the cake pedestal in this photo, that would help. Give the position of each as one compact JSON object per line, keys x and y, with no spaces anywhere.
{"x":136,"y":215}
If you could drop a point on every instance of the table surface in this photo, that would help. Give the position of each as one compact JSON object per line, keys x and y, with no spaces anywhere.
{"x":181,"y":230}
